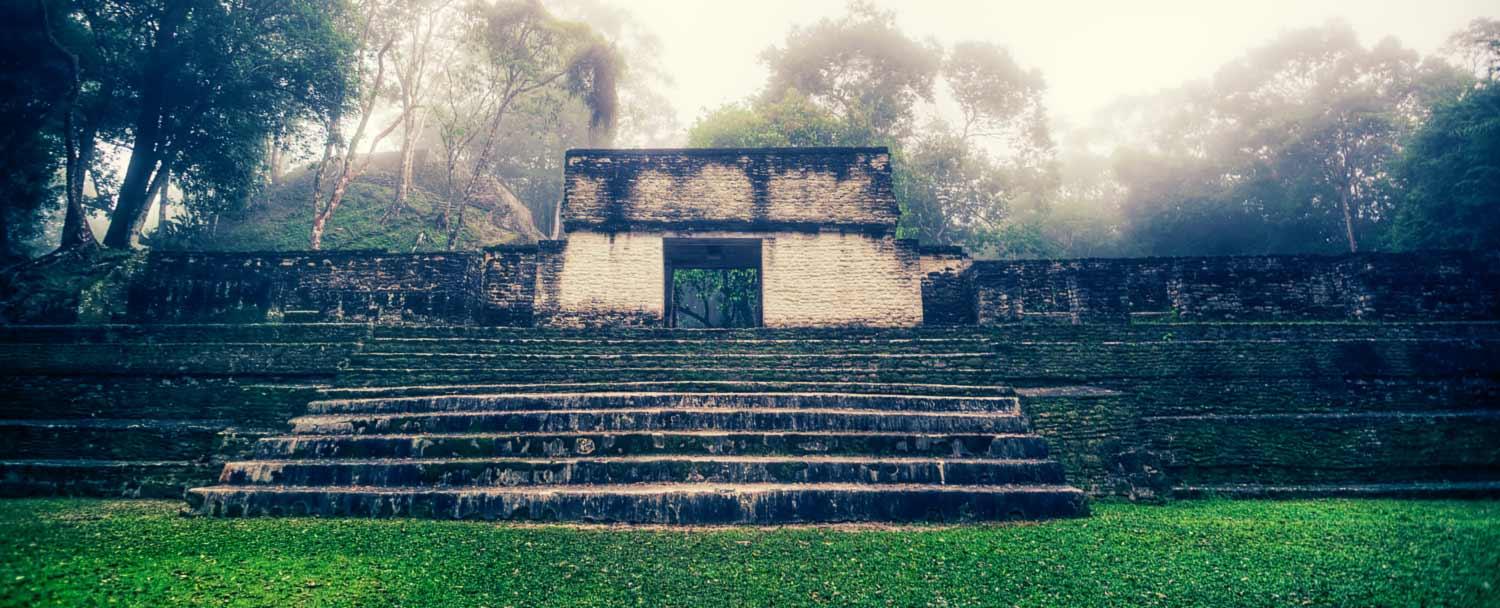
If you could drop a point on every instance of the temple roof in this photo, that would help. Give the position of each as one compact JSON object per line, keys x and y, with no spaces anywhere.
{"x":729,"y":189}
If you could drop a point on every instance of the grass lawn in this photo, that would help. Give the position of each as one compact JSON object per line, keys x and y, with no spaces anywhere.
{"x":1202,"y":553}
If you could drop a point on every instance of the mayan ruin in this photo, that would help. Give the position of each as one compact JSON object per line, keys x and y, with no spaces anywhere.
{"x":608,"y":303}
{"x":876,"y":380}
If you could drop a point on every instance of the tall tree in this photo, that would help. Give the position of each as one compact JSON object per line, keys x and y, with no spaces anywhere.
{"x":415,"y":56}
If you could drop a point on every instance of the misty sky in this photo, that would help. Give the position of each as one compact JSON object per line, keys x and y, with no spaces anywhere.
{"x":1090,"y":51}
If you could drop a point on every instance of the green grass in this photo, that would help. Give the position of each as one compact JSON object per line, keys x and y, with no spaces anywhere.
{"x":1210,"y":553}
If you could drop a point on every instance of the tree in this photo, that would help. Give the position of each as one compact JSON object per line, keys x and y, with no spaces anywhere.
{"x":792,"y":120}
{"x":517,"y":51}
{"x":40,"y":89}
{"x":860,"y":67}
{"x":1477,"y":47}
{"x":1451,"y":177}
{"x":857,"y":80}
{"x":995,"y":94}
{"x":1286,"y":150}
{"x":414,"y":57}
{"x":375,"y":33}
{"x":203,"y":81}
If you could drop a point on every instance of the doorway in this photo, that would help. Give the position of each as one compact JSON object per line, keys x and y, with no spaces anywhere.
{"x":713,"y":283}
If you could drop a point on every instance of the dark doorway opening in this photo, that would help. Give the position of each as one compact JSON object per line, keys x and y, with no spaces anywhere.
{"x":713,"y":283}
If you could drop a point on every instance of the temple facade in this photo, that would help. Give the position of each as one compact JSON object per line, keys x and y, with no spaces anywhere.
{"x":814,"y":227}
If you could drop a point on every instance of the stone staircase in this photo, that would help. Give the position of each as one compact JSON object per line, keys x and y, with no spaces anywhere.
{"x":663,"y":427}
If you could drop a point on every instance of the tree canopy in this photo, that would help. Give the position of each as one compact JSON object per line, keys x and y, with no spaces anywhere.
{"x":445,"y":112}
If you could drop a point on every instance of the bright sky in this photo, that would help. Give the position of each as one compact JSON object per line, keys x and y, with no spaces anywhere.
{"x":1091,"y":51}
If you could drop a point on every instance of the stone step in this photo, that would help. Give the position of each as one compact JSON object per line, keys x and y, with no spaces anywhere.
{"x":94,"y":477}
{"x":1137,"y":332}
{"x":611,"y":470}
{"x":657,"y":504}
{"x":480,"y":445}
{"x":1447,"y":358}
{"x":650,"y":360}
{"x":128,"y":439}
{"x":1415,"y":489}
{"x":189,"y":332}
{"x":401,"y":377}
{"x":685,"y":346}
{"x":660,"y":419}
{"x":684,"y":400}
{"x":694,"y":386}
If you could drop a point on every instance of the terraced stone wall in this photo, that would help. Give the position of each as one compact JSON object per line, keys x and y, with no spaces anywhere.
{"x":1409,"y":286}
{"x":1269,"y":408}
{"x":147,"y":411}
{"x":809,"y":279}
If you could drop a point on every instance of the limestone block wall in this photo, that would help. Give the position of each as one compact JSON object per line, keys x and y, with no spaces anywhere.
{"x":809,"y":279}
{"x":598,"y":279}
{"x":840,"y":279}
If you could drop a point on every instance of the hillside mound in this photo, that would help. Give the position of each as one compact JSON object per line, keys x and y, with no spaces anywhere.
{"x":282,"y":219}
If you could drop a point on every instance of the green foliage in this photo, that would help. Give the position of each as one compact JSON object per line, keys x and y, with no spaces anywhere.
{"x":791,"y":120}
{"x":78,"y":285}
{"x":716,"y":297}
{"x":32,"y":92}
{"x":1451,"y":177}
{"x":1201,"y":553}
{"x":194,"y":88}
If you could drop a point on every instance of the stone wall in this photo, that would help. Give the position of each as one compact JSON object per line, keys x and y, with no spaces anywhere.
{"x":762,"y":189}
{"x":1411,"y":286}
{"x":947,"y":292}
{"x":508,"y":288}
{"x":809,"y":279}
{"x":491,"y":287}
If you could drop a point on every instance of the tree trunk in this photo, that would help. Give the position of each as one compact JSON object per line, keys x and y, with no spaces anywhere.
{"x":348,"y":170}
{"x":1349,"y":223}
{"x":146,"y":153}
{"x":161,"y":201}
{"x":78,"y":151}
{"x":320,"y":221}
{"x":411,"y":128}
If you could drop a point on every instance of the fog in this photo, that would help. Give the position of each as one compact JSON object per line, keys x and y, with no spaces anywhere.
{"x":1091,"y":52}
{"x":1064,"y":129}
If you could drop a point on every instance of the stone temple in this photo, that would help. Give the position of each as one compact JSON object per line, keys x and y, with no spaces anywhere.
{"x":817,"y":225}
{"x":737,"y":336}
